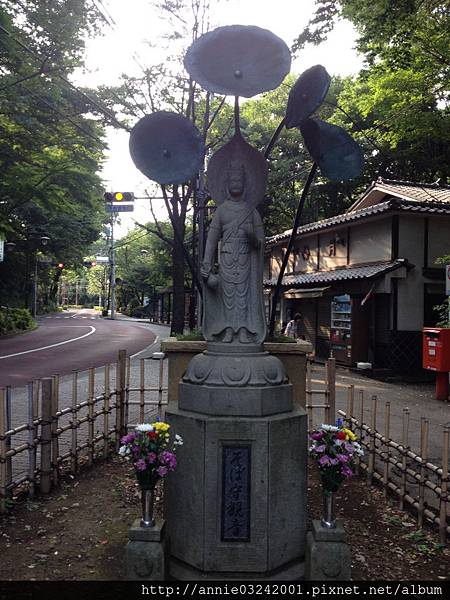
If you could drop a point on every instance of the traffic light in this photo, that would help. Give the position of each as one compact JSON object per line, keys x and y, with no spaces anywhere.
{"x":89,"y":263}
{"x":119,"y":197}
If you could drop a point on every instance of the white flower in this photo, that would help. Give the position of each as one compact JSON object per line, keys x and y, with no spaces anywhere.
{"x":144,"y":427}
{"x":178,"y":440}
{"x":338,"y":442}
{"x":124,"y":450}
{"x":329,"y":427}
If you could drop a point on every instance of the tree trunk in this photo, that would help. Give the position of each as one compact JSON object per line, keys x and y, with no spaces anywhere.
{"x":177,"y":324}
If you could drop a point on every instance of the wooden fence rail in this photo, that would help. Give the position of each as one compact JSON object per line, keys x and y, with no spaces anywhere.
{"x":92,"y":424}
{"x":398,"y":468}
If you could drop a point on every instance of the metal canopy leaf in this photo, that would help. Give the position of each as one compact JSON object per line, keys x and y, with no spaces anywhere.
{"x":238,"y":60}
{"x":339,"y":157}
{"x":306,"y":95}
{"x":167,"y":148}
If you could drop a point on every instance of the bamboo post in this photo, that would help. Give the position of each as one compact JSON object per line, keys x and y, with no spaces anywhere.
{"x":373,"y":426}
{"x":8,"y":439}
{"x":405,"y":431}
{"x":424,"y":455}
{"x":350,"y":401}
{"x":36,"y":396}
{"x":46,"y":436}
{"x":127,"y":391}
{"x":331,"y":388}
{"x":3,"y":489}
{"x":31,"y":436}
{"x":160,"y":387}
{"x":359,"y":428}
{"x":54,"y":427}
{"x":121,"y":392}
{"x":74,"y":424}
{"x":106,"y":414}
{"x":444,"y":486}
{"x":141,"y":390}
{"x":387,"y":435}
{"x":308,"y":393}
{"x":91,"y":382}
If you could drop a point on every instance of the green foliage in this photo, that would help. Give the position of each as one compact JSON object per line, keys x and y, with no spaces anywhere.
{"x":193,"y":336}
{"x":50,"y":150}
{"x":13,"y":320}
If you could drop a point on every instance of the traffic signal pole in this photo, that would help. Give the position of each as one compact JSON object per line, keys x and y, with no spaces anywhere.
{"x":113,"y":272}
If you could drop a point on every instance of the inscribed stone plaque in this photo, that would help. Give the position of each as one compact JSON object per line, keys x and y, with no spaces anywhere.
{"x":236,"y":494}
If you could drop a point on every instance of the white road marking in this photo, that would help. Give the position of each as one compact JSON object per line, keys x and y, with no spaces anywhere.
{"x":91,"y":327}
{"x":148,"y":347}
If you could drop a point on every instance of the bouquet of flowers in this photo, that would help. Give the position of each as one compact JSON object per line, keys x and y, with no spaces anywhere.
{"x":334,"y":448}
{"x":148,"y":448}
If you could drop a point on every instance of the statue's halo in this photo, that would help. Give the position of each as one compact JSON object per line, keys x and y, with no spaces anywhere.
{"x":238,"y":60}
{"x":254,"y":164}
{"x":167,"y":148}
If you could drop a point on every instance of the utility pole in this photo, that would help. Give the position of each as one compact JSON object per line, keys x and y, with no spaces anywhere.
{"x":35,"y":287}
{"x":76,"y":292}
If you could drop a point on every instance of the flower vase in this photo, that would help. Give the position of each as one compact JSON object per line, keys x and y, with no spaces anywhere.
{"x":147,"y":483}
{"x":328,"y":520}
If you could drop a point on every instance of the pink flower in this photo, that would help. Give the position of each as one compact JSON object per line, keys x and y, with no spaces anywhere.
{"x":320,"y":448}
{"x":317,"y":435}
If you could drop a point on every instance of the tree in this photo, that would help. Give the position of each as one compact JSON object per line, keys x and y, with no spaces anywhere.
{"x":167,"y":87}
{"x":50,"y":150}
{"x":397,"y":106}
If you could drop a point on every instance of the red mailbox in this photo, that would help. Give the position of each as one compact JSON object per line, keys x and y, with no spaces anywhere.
{"x":436,"y":357}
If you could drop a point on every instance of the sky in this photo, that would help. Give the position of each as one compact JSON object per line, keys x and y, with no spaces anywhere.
{"x":134,"y":37}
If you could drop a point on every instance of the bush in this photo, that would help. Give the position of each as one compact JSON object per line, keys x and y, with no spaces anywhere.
{"x":139,"y":312}
{"x":13,"y":320}
{"x":132,"y":304}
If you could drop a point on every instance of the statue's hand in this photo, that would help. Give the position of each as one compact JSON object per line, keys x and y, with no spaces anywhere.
{"x":205,"y":270}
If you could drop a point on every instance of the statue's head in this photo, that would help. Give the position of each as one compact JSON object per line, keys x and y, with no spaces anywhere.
{"x":236,"y":179}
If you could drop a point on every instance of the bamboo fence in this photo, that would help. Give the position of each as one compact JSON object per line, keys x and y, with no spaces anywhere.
{"x":329,"y":393}
{"x":53,"y":437}
{"x":418,"y":483}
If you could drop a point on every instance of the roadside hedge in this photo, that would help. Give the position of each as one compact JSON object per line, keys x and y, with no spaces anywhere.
{"x":13,"y":320}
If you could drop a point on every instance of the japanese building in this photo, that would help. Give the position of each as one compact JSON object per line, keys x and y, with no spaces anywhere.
{"x":366,"y":281}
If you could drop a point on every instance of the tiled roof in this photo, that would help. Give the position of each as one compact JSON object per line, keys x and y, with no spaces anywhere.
{"x":358,"y":272}
{"x":413,"y":192}
{"x":401,"y":195}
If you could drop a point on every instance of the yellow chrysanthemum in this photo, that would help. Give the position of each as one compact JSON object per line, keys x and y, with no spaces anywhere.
{"x":349,"y":435}
{"x":161,"y":426}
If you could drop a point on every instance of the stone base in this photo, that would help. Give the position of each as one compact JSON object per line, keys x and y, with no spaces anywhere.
{"x":328,"y":556}
{"x":182,"y":572}
{"x":145,"y":553}
{"x":238,"y":402}
{"x":235,"y":506}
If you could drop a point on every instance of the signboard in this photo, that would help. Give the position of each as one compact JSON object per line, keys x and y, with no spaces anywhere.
{"x":101,"y":260}
{"x":2,"y":250}
{"x":447,"y":280}
{"x":120,"y":207}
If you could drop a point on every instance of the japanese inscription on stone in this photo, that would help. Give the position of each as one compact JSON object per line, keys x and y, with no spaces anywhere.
{"x":236,"y":494}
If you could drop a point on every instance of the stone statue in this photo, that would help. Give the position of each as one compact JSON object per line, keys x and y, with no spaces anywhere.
{"x":233,"y":298}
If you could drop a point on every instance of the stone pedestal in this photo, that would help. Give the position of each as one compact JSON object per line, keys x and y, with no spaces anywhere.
{"x":235,"y":507}
{"x":145,"y":553}
{"x":328,"y":556}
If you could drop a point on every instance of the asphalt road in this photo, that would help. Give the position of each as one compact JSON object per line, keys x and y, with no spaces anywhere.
{"x":67,"y":341}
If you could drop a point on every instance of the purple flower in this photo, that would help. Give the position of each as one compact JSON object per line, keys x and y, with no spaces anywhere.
{"x":346,"y":471}
{"x":349,"y":447}
{"x":151,"y":457}
{"x":128,"y":439}
{"x":324,"y":460}
{"x":334,"y":461}
{"x":169,"y":459}
{"x":339,"y":423}
{"x":320,"y":448}
{"x":140,"y":465}
{"x":162,"y":471}
{"x":343,"y":458}
{"x":317,"y":435}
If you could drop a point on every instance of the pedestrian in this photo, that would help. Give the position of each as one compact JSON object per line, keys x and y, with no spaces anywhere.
{"x":293,"y":327}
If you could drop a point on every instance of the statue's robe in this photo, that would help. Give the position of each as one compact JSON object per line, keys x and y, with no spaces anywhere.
{"x":237,"y":300}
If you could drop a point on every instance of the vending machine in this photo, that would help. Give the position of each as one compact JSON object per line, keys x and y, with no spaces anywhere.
{"x":348,"y":330}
